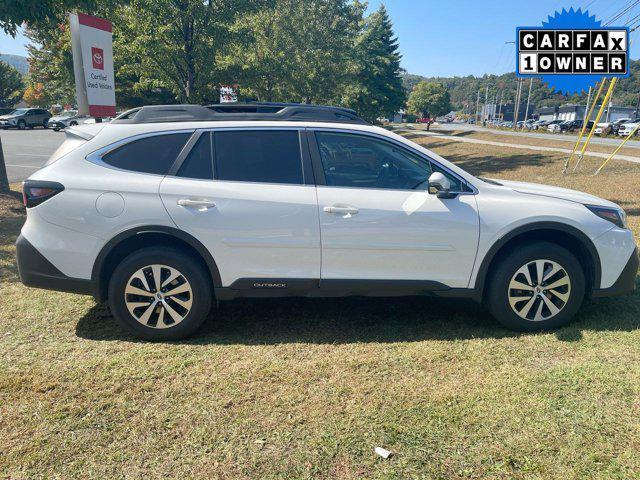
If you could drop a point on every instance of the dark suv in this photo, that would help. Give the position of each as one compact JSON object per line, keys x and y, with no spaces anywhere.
{"x":25,"y":117}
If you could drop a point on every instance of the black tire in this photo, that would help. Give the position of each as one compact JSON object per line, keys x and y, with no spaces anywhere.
{"x":22,"y":125}
{"x":45,"y":124}
{"x":73,"y":124}
{"x":56,"y":129}
{"x":192,"y":271}
{"x":500,"y":279}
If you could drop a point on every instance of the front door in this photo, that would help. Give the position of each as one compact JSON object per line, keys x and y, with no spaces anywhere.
{"x":378,"y":221}
{"x":243,"y":194}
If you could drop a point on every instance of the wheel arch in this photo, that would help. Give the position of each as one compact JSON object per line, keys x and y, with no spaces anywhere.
{"x":116,"y":249}
{"x":561,"y":234}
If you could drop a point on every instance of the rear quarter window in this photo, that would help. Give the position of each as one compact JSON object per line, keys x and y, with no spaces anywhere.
{"x":154,"y":154}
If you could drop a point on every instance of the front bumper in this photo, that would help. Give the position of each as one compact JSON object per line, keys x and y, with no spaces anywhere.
{"x":36,"y":271}
{"x":56,"y":125}
{"x":625,"y":283}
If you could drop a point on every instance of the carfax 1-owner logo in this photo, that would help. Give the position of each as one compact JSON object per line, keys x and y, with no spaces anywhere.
{"x":572,"y":51}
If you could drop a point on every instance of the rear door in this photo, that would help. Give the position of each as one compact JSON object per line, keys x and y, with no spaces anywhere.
{"x":379,"y":223}
{"x":247,"y":196}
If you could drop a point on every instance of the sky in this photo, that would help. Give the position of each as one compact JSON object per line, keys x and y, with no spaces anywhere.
{"x":458,"y":37}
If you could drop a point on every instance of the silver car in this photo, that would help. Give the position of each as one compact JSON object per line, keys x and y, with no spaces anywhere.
{"x":25,"y":117}
{"x":68,"y":118}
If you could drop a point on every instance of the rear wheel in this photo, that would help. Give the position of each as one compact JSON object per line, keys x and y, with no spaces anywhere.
{"x":45,"y":124}
{"x":160,"y":294}
{"x":538,"y":286}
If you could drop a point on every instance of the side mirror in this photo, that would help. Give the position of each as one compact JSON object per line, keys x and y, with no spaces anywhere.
{"x":440,"y":186}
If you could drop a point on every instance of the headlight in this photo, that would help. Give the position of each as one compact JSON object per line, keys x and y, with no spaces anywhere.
{"x":614,"y":215}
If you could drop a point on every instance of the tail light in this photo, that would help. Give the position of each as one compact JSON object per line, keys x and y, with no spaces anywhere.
{"x":34,"y":192}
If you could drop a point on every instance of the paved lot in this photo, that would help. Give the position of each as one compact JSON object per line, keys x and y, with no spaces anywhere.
{"x":25,"y":151}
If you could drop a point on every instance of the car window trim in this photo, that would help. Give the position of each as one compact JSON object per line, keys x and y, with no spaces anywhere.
{"x":318,"y":168}
{"x":184,"y":153}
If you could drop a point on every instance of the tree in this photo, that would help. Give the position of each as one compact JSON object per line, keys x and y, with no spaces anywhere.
{"x":11,"y":85}
{"x":176,"y":43}
{"x":429,"y":98}
{"x":291,"y":50}
{"x":377,"y":87}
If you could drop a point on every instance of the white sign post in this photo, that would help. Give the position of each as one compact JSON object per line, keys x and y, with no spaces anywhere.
{"x":91,"y":42}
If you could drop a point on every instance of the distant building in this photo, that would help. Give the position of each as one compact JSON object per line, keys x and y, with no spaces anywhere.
{"x":547,"y":113}
{"x":505,"y":112}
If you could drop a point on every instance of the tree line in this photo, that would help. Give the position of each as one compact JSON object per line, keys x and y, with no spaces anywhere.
{"x":182,"y":51}
{"x":463,"y":91}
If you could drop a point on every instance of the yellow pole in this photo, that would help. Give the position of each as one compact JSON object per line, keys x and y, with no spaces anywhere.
{"x":595,"y":123}
{"x":617,"y":149}
{"x":584,"y":125}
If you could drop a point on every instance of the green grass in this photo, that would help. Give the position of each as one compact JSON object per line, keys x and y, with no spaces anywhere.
{"x":306,"y":388}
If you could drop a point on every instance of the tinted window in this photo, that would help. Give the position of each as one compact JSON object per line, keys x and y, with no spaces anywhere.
{"x":199,"y":163}
{"x":153,"y":154}
{"x":360,"y":161}
{"x":258,"y":156}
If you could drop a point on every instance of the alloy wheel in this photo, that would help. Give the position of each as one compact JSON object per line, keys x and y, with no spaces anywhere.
{"x":158,"y":296}
{"x":539,"y":290}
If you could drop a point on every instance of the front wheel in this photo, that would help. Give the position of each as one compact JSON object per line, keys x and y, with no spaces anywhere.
{"x":160,"y":294}
{"x":22,"y":125}
{"x":538,"y":286}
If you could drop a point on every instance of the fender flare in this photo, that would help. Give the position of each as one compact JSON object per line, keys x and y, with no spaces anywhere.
{"x":98,"y":264}
{"x":580,"y":236}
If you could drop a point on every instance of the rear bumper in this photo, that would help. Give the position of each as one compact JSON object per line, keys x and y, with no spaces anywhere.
{"x":625,"y":283}
{"x":36,"y":271}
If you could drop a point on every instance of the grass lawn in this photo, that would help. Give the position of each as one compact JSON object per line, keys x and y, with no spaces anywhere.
{"x":306,"y":388}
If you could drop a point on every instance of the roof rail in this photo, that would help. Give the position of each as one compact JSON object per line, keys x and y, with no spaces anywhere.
{"x":290,"y":112}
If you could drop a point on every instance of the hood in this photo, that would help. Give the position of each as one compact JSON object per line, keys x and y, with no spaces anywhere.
{"x":557,"y":192}
{"x":6,"y":117}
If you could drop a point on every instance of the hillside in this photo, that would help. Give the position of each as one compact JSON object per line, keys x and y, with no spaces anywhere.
{"x":18,"y":62}
{"x":464,"y":90}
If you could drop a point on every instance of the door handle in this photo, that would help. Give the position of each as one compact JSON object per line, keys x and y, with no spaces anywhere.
{"x":199,"y":204}
{"x":341,"y":209}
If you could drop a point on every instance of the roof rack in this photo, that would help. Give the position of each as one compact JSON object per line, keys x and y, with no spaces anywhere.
{"x":290,"y":112}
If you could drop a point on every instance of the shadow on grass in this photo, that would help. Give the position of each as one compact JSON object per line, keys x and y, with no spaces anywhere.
{"x":364,"y":320}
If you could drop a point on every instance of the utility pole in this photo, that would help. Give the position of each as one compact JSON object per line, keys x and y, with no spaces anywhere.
{"x":526,"y":112}
{"x":516,"y":108}
{"x":500,"y":111}
{"x":486,"y":102}
{"x":478,"y":108}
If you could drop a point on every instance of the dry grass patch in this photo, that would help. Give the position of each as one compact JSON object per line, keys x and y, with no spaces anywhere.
{"x":306,"y":388}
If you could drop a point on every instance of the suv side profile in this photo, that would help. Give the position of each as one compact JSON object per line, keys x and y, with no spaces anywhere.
{"x":24,"y":118}
{"x":166,"y":209}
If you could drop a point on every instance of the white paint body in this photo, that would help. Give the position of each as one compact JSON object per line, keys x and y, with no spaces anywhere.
{"x":262,"y":230}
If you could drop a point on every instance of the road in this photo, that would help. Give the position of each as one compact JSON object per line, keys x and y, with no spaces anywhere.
{"x":570,"y":138}
{"x":25,"y":151}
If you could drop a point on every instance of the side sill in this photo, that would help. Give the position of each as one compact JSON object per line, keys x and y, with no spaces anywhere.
{"x":288,"y":287}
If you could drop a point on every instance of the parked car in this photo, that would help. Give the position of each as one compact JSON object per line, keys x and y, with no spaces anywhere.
{"x":607,"y":128}
{"x":569,"y":126}
{"x":143,"y":212}
{"x":551,"y":126}
{"x":626,"y":128}
{"x":540,"y":124}
{"x":68,"y":118}
{"x":23,"y":118}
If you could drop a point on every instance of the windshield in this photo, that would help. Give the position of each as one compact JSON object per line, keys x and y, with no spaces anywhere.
{"x":69,"y":113}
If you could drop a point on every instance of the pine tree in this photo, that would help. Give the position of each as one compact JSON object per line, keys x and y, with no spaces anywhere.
{"x":377,"y":89}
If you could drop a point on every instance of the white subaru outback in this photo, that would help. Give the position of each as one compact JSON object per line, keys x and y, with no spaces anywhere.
{"x":167,"y":208}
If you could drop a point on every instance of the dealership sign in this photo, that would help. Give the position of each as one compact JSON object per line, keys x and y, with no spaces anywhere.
{"x":91,"y":41}
{"x":572,"y":51}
